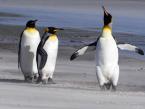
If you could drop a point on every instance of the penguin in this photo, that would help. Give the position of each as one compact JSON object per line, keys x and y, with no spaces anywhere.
{"x":107,"y":56}
{"x":28,"y":43}
{"x":47,"y":51}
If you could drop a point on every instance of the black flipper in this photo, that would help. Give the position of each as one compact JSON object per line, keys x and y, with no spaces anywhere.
{"x":139,"y":51}
{"x":43,"y":55}
{"x":19,"y":50}
{"x":42,"y":52}
{"x":129,"y":47}
{"x":84,"y":49}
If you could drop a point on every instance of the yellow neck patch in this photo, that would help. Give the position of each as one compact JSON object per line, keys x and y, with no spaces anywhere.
{"x":52,"y":37}
{"x":107,"y":29}
{"x":106,"y":32}
{"x":31,"y":30}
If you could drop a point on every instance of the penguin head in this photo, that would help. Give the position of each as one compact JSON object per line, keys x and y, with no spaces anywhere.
{"x":52,"y":30}
{"x":31,"y":23}
{"x":107,"y":17}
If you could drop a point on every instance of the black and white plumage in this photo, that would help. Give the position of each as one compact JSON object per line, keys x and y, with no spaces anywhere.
{"x":129,"y":47}
{"x":42,"y":52}
{"x":83,"y":50}
{"x":107,"y":68}
{"x":19,"y":50}
{"x":92,"y":46}
{"x":28,"y":43}
{"x":47,"y":50}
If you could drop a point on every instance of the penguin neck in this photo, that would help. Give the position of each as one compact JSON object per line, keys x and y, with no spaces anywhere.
{"x":107,"y":31}
{"x":52,"y":37}
{"x":31,"y":29}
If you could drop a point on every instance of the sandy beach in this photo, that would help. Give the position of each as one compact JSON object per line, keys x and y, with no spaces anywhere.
{"x":76,"y":84}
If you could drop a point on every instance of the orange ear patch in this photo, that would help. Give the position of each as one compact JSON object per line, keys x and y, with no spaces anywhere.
{"x":46,"y":30}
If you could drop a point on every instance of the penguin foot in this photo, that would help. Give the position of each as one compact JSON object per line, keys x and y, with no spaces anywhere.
{"x":114,"y":88}
{"x":107,"y":85}
{"x":35,"y":78}
{"x":50,"y":81}
{"x":31,"y":79}
{"x":38,"y":80}
{"x":27,"y":79}
{"x":102,"y":88}
{"x":44,"y":81}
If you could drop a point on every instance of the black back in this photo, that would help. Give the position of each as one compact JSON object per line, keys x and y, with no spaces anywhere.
{"x":19,"y":50}
{"x":42,"y":52}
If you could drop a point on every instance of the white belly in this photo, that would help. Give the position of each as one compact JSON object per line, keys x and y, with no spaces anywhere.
{"x":29,"y":46}
{"x":107,"y":55}
{"x":51,"y":47}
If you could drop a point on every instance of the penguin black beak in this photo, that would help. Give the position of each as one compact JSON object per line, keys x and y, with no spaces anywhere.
{"x":107,"y":16}
{"x":35,"y":20}
{"x":53,"y":30}
{"x":60,"y":29}
{"x":105,"y":11}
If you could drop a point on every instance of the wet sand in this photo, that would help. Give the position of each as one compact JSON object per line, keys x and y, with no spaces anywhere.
{"x":76,"y":84}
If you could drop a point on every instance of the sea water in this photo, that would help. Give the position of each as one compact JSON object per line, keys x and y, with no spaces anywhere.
{"x":128,"y":15}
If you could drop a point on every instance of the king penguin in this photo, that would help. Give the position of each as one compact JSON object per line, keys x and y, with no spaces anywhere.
{"x":107,"y":68}
{"x":47,"y":50}
{"x":28,"y":44}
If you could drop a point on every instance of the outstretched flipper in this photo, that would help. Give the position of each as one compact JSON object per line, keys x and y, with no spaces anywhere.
{"x":129,"y":47}
{"x":84,"y":49}
{"x":19,"y":50}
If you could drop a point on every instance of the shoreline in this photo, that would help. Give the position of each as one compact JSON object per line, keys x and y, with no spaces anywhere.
{"x":70,"y":37}
{"x":76,"y":82}
{"x":6,"y":14}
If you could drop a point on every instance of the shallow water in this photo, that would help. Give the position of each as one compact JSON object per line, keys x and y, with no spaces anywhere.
{"x":85,"y":14}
